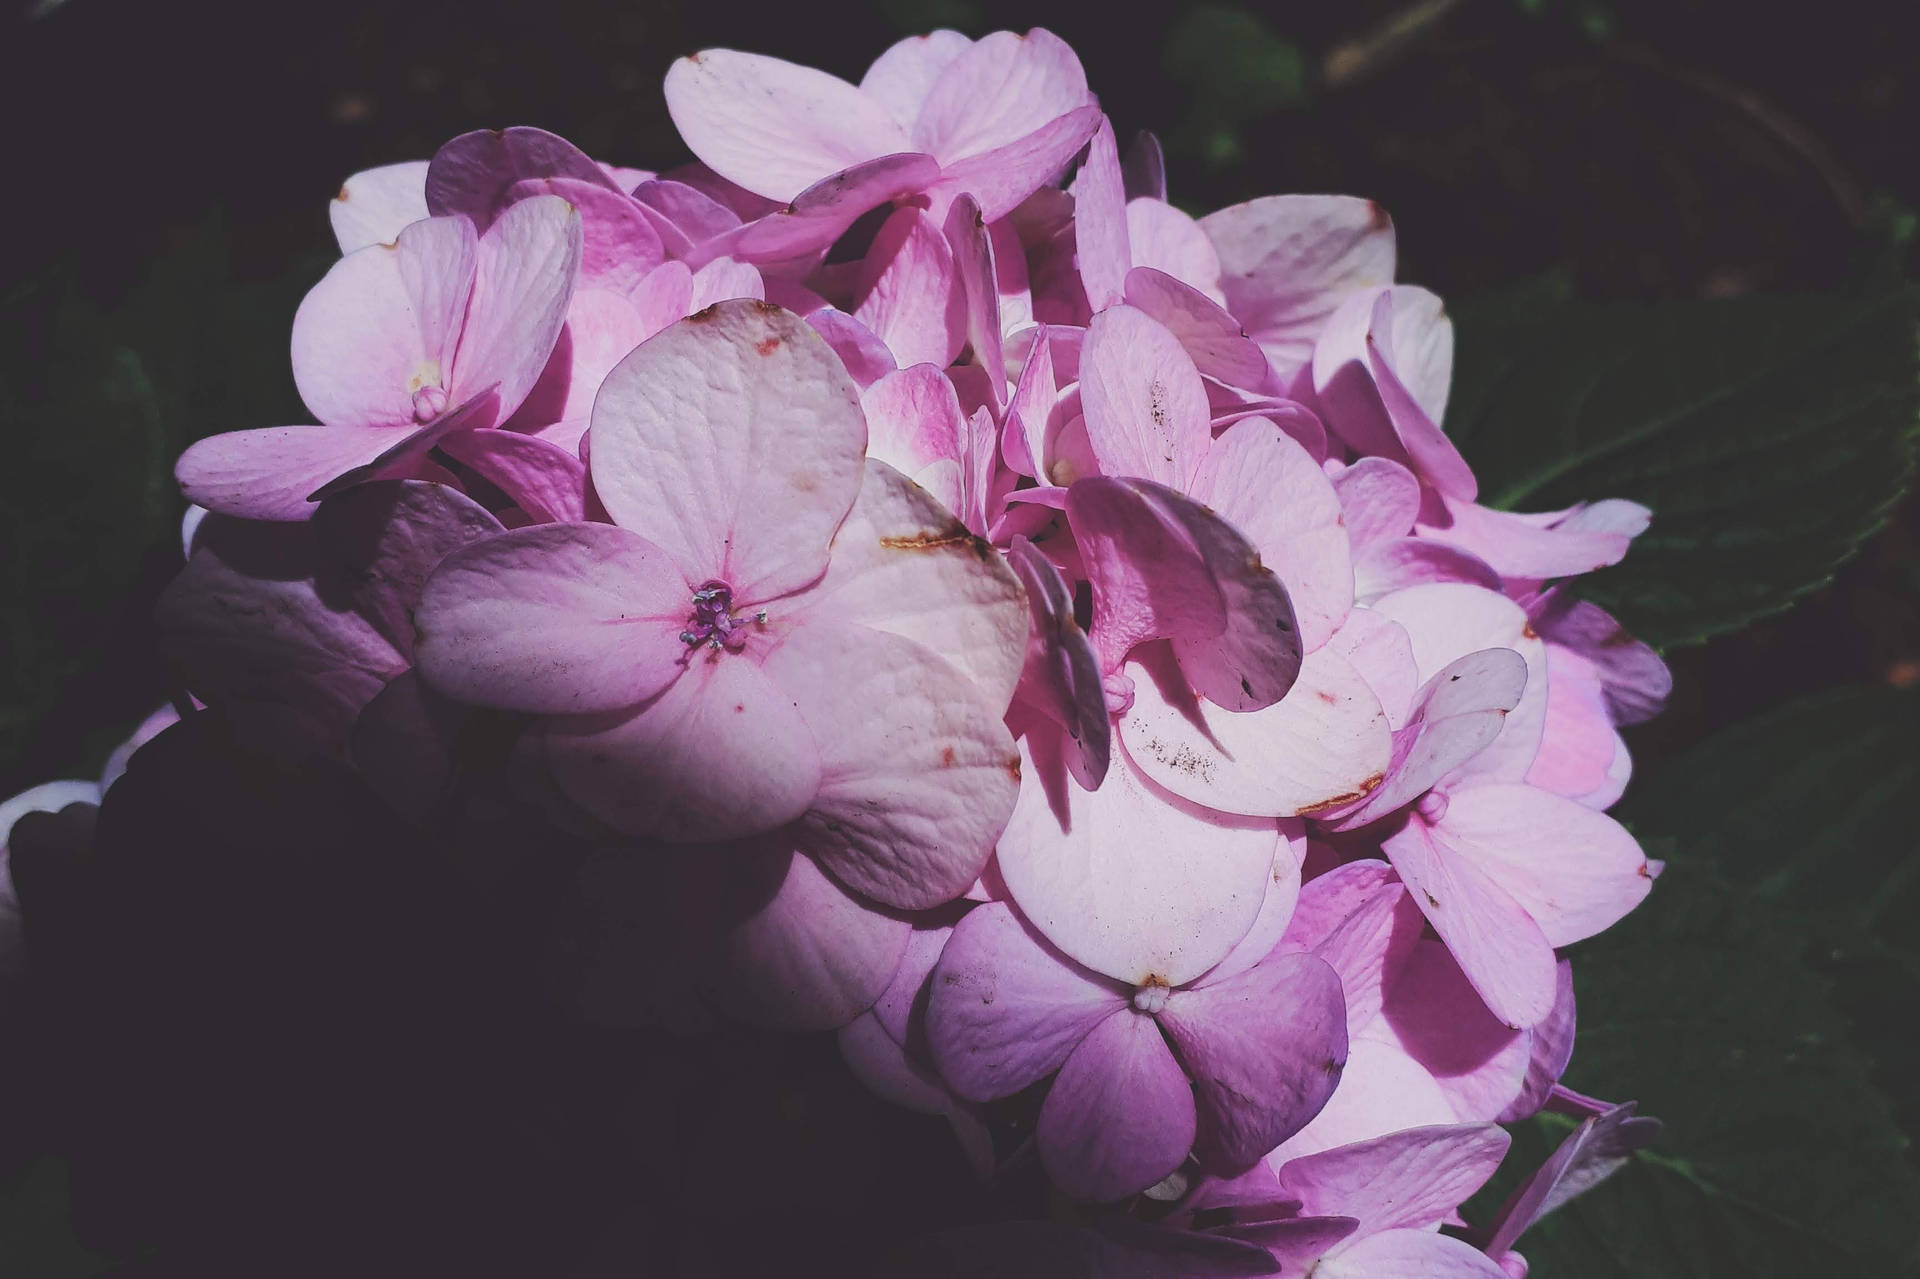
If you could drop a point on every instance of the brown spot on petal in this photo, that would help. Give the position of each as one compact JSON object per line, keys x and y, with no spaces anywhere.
{"x":1645,"y":872}
{"x":946,"y":757}
{"x":767,"y":346}
{"x":1331,"y":1066}
{"x":1366,"y":788}
{"x":1013,"y":769}
{"x":954,"y":534}
{"x":1431,"y":899}
{"x":1325,"y":696}
{"x":1377,"y":218}
{"x":706,"y":316}
{"x":1527,"y":631}
{"x":342,"y":195}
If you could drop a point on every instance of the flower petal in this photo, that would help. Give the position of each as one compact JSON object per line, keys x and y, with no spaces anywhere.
{"x":374,"y":205}
{"x":1061,"y":675}
{"x":471,"y":174}
{"x":1410,"y":1179}
{"x":1100,"y":221}
{"x":998,"y":90}
{"x":1146,"y":408}
{"x":909,"y":293}
{"x":524,"y":276}
{"x":1120,"y":1115}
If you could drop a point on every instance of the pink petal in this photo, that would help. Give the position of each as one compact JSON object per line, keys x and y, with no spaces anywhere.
{"x":694,"y":215}
{"x":771,"y":126}
{"x":682,"y":429}
{"x":267,"y":473}
{"x":1100,"y":221}
{"x":1523,"y":546}
{"x":1497,"y":943}
{"x":998,"y":90}
{"x":909,"y":294}
{"x":374,"y":205}
{"x":406,"y":456}
{"x":1130,"y":880}
{"x":1369,"y":947}
{"x":1575,"y":871}
{"x":1423,"y":347}
{"x":810,"y":956}
{"x":1577,"y":742}
{"x":471,"y":175}
{"x":1266,"y":486}
{"x":555,"y":619}
{"x":1550,"y":1049}
{"x":902,"y":1006}
{"x":901,"y":78}
{"x":1005,"y":1009}
{"x":901,"y":565}
{"x":1380,"y":499}
{"x":524,"y":277}
{"x":1325,"y":744}
{"x":866,"y":357}
{"x":722,"y":753}
{"x":822,"y":213}
{"x":914,"y":423}
{"x":1165,"y":240}
{"x":1146,"y":409}
{"x":403,"y":744}
{"x":1220,"y":349}
{"x":544,"y":480}
{"x":1635,"y":680}
{"x":1382,"y":1091}
{"x":1287,"y":261}
{"x":1146,"y":168}
{"x":977,"y":272}
{"x":1446,"y":621}
{"x":1382,"y":652}
{"x":721,"y":279}
{"x":1435,"y":1017}
{"x":1001,"y":179}
{"x":1265,"y":1050}
{"x":1276,"y":910}
{"x":1409,"y":1254}
{"x":1120,"y":1115}
{"x":917,"y":773}
{"x":383,"y":323}
{"x":1061,"y":675}
{"x":618,"y":243}
{"x":601,"y":328}
{"x":1401,"y":562}
{"x":1410,"y":1179}
{"x":1595,"y":1150}
{"x":1030,"y":409}
{"x":385,"y":539}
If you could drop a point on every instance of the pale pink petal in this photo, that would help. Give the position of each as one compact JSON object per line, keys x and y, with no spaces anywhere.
{"x":1574,"y":870}
{"x":1381,"y":1091}
{"x":1577,"y":745}
{"x":1410,"y":1179}
{"x":545,"y":480}
{"x":1287,"y":261}
{"x":1166,"y":240}
{"x":1381,"y":651}
{"x":1146,"y":409}
{"x":1120,"y":1115}
{"x":909,"y":293}
{"x":1409,"y":1254}
{"x":1550,"y":1049}
{"x":1264,"y":1049}
{"x":1423,"y":347}
{"x":790,"y":238}
{"x":555,"y":619}
{"x":901,"y":78}
{"x":471,"y":174}
{"x":1446,"y":621}
{"x":722,"y":753}
{"x":1497,"y":943}
{"x":721,"y":279}
{"x":1532,"y":547}
{"x":602,"y":327}
{"x":1276,"y":910}
{"x":526,"y":267}
{"x":1004,"y":177}
{"x":1004,"y":1008}
{"x":914,"y":422}
{"x":1100,"y":221}
{"x":1435,"y":1017}
{"x":865,"y":356}
{"x":808,"y":956}
{"x":268,"y":473}
{"x":383,"y":540}
{"x":375,"y":204}
{"x":1061,"y":675}
{"x":1401,"y":562}
{"x":975,"y":265}
{"x":618,"y":242}
{"x":996,"y":91}
{"x":917,"y":773}
{"x":1131,"y":880}
{"x":382,"y":325}
{"x":1214,"y":339}
{"x":682,"y":432}
{"x":1266,"y":485}
{"x":1323,"y":745}
{"x":901,"y":565}
{"x":1380,"y":499}
{"x":771,"y":126}
{"x":1328,"y":900}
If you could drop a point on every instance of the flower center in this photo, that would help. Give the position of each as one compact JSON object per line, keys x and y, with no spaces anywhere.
{"x":1432,"y":806}
{"x":429,"y":402}
{"x":713,"y":622}
{"x":1151,"y":997}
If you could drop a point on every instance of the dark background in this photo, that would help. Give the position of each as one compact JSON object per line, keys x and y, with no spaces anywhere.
{"x":170,"y":167}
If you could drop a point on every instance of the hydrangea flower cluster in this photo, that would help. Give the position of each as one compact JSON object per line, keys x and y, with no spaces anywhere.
{"x":974,"y":607}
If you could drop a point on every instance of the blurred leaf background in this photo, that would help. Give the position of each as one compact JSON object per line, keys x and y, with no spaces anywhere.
{"x":1678,"y":237}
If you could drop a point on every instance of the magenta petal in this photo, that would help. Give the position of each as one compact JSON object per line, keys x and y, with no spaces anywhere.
{"x":1146,"y":409}
{"x":1061,"y":677}
{"x":1409,"y":1254}
{"x":555,"y":619}
{"x":525,"y":271}
{"x":407,"y":455}
{"x":771,"y":126}
{"x":683,"y":426}
{"x":385,"y":539}
{"x":1005,"y":1009}
{"x":544,"y":480}
{"x":721,"y":753}
{"x":1409,"y":1179}
{"x":374,"y":205}
{"x":1497,"y":943}
{"x":866,"y":356}
{"x":914,"y":424}
{"x":267,"y":473}
{"x":1594,"y":1151}
{"x":811,"y":956}
{"x":471,"y":174}
{"x":1120,"y":1115}
{"x":910,"y":295}
{"x":1402,"y":562}
{"x":1100,"y":221}
{"x":917,"y":772}
{"x":1264,"y":1049}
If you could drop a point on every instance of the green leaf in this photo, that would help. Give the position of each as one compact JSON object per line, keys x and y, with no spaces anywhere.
{"x":1779,"y":1157}
{"x":1770,"y":436}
